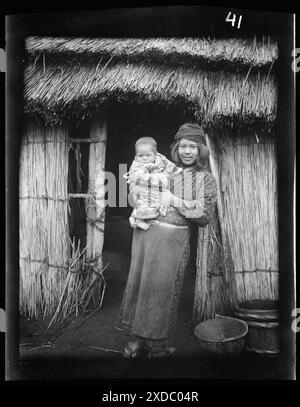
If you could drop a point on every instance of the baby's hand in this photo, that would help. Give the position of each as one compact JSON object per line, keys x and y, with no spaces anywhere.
{"x":151,"y":166}
{"x":154,"y":179}
{"x":138,"y":175}
{"x":132,"y":222}
{"x":159,"y":179}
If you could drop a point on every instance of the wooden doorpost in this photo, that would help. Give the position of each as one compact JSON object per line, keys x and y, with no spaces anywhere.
{"x":96,"y":203}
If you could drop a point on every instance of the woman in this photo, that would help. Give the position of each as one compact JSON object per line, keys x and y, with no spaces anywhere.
{"x":160,"y":255}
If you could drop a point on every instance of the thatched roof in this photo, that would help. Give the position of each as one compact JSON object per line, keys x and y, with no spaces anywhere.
{"x":218,"y":79}
{"x":232,"y":51}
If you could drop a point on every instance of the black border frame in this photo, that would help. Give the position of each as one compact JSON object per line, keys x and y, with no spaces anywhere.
{"x":143,"y":22}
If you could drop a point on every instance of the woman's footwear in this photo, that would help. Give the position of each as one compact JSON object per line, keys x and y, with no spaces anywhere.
{"x":133,"y":350}
{"x":162,"y":354}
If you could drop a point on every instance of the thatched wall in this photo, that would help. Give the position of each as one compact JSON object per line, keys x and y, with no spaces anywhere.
{"x":248,"y":182}
{"x":44,"y":239}
{"x":57,"y":276}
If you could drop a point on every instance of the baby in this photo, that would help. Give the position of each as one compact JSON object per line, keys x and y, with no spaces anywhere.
{"x":149,"y":169}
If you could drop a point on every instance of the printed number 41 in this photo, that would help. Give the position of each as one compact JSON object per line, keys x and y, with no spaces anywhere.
{"x":232,"y":20}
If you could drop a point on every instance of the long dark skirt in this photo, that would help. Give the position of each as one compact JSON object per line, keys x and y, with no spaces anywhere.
{"x":158,"y":259}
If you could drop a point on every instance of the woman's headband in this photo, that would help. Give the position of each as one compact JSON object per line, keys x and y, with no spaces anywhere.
{"x":192,"y":132}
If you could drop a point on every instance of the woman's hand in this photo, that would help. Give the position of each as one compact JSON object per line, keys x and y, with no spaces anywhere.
{"x":164,"y":198}
{"x":134,"y":189}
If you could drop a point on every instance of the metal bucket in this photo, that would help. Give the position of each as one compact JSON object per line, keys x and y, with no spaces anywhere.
{"x":222,"y":335}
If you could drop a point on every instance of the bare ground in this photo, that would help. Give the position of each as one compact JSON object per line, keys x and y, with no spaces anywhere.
{"x":91,"y":348}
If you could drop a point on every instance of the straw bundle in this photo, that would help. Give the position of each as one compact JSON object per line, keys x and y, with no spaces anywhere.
{"x":249,"y":188}
{"x":84,"y":284}
{"x":214,"y":288}
{"x":44,"y":246}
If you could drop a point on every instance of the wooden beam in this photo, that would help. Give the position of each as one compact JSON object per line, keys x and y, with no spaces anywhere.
{"x":83,"y":196}
{"x":96,"y":207}
{"x":82,"y":140}
{"x":215,"y":173}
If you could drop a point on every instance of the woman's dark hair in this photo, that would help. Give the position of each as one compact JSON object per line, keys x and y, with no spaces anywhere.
{"x":203,"y":151}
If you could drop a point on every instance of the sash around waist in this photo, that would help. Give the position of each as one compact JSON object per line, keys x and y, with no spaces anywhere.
{"x":173,"y":217}
{"x":170,"y":225}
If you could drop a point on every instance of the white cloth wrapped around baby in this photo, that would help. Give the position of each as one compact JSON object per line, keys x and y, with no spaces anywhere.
{"x":149,"y":170}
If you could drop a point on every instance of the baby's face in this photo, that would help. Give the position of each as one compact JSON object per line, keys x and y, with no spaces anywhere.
{"x":145,"y":153}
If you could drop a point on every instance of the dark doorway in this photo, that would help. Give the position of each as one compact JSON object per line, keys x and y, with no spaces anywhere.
{"x":126,"y":123}
{"x":78,"y":180}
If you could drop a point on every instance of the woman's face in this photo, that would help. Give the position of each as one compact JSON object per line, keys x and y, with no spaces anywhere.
{"x":187,"y":151}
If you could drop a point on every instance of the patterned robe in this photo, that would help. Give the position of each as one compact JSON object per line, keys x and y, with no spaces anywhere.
{"x":159,"y":257}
